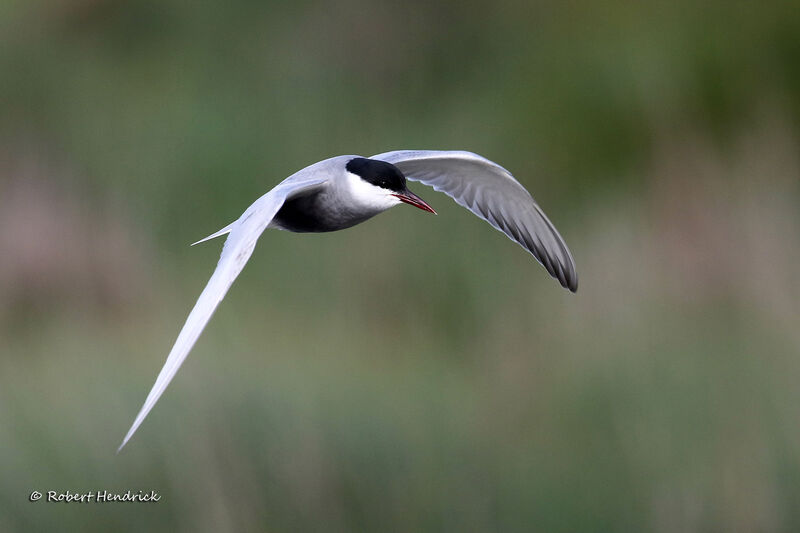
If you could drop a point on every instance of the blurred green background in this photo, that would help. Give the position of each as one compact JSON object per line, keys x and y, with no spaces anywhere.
{"x":414,"y":373}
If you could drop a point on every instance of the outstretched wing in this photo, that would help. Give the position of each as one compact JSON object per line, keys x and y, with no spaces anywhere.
{"x":237,"y":250}
{"x":492,"y":193}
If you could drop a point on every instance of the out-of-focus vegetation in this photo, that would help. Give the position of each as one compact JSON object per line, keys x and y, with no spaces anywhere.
{"x":413,"y":373}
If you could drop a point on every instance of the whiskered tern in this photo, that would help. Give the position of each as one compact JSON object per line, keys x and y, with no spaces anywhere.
{"x":343,"y":191}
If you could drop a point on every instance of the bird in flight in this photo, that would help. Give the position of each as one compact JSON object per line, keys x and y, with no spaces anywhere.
{"x":343,"y":191}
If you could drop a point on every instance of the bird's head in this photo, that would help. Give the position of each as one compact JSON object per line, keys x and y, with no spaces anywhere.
{"x":380,"y":185}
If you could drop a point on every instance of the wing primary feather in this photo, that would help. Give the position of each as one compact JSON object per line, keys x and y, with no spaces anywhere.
{"x":227,"y":270}
{"x":236,"y":251}
{"x":491,"y":193}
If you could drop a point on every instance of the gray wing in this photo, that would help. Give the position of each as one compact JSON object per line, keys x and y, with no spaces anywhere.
{"x":238,"y":247}
{"x":492,"y":193}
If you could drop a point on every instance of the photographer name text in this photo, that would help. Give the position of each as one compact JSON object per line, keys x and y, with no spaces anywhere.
{"x":97,"y":496}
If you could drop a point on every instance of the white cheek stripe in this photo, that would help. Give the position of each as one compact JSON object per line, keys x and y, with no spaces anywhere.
{"x":370,"y":196}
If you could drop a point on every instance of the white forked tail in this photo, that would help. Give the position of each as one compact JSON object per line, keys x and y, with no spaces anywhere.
{"x":220,"y":233}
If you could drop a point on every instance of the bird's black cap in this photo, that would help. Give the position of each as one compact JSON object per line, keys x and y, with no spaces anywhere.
{"x":379,"y":173}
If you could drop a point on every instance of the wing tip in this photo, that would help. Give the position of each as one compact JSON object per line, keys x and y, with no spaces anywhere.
{"x":124,"y":442}
{"x":567,"y":277}
{"x":571,"y":284}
